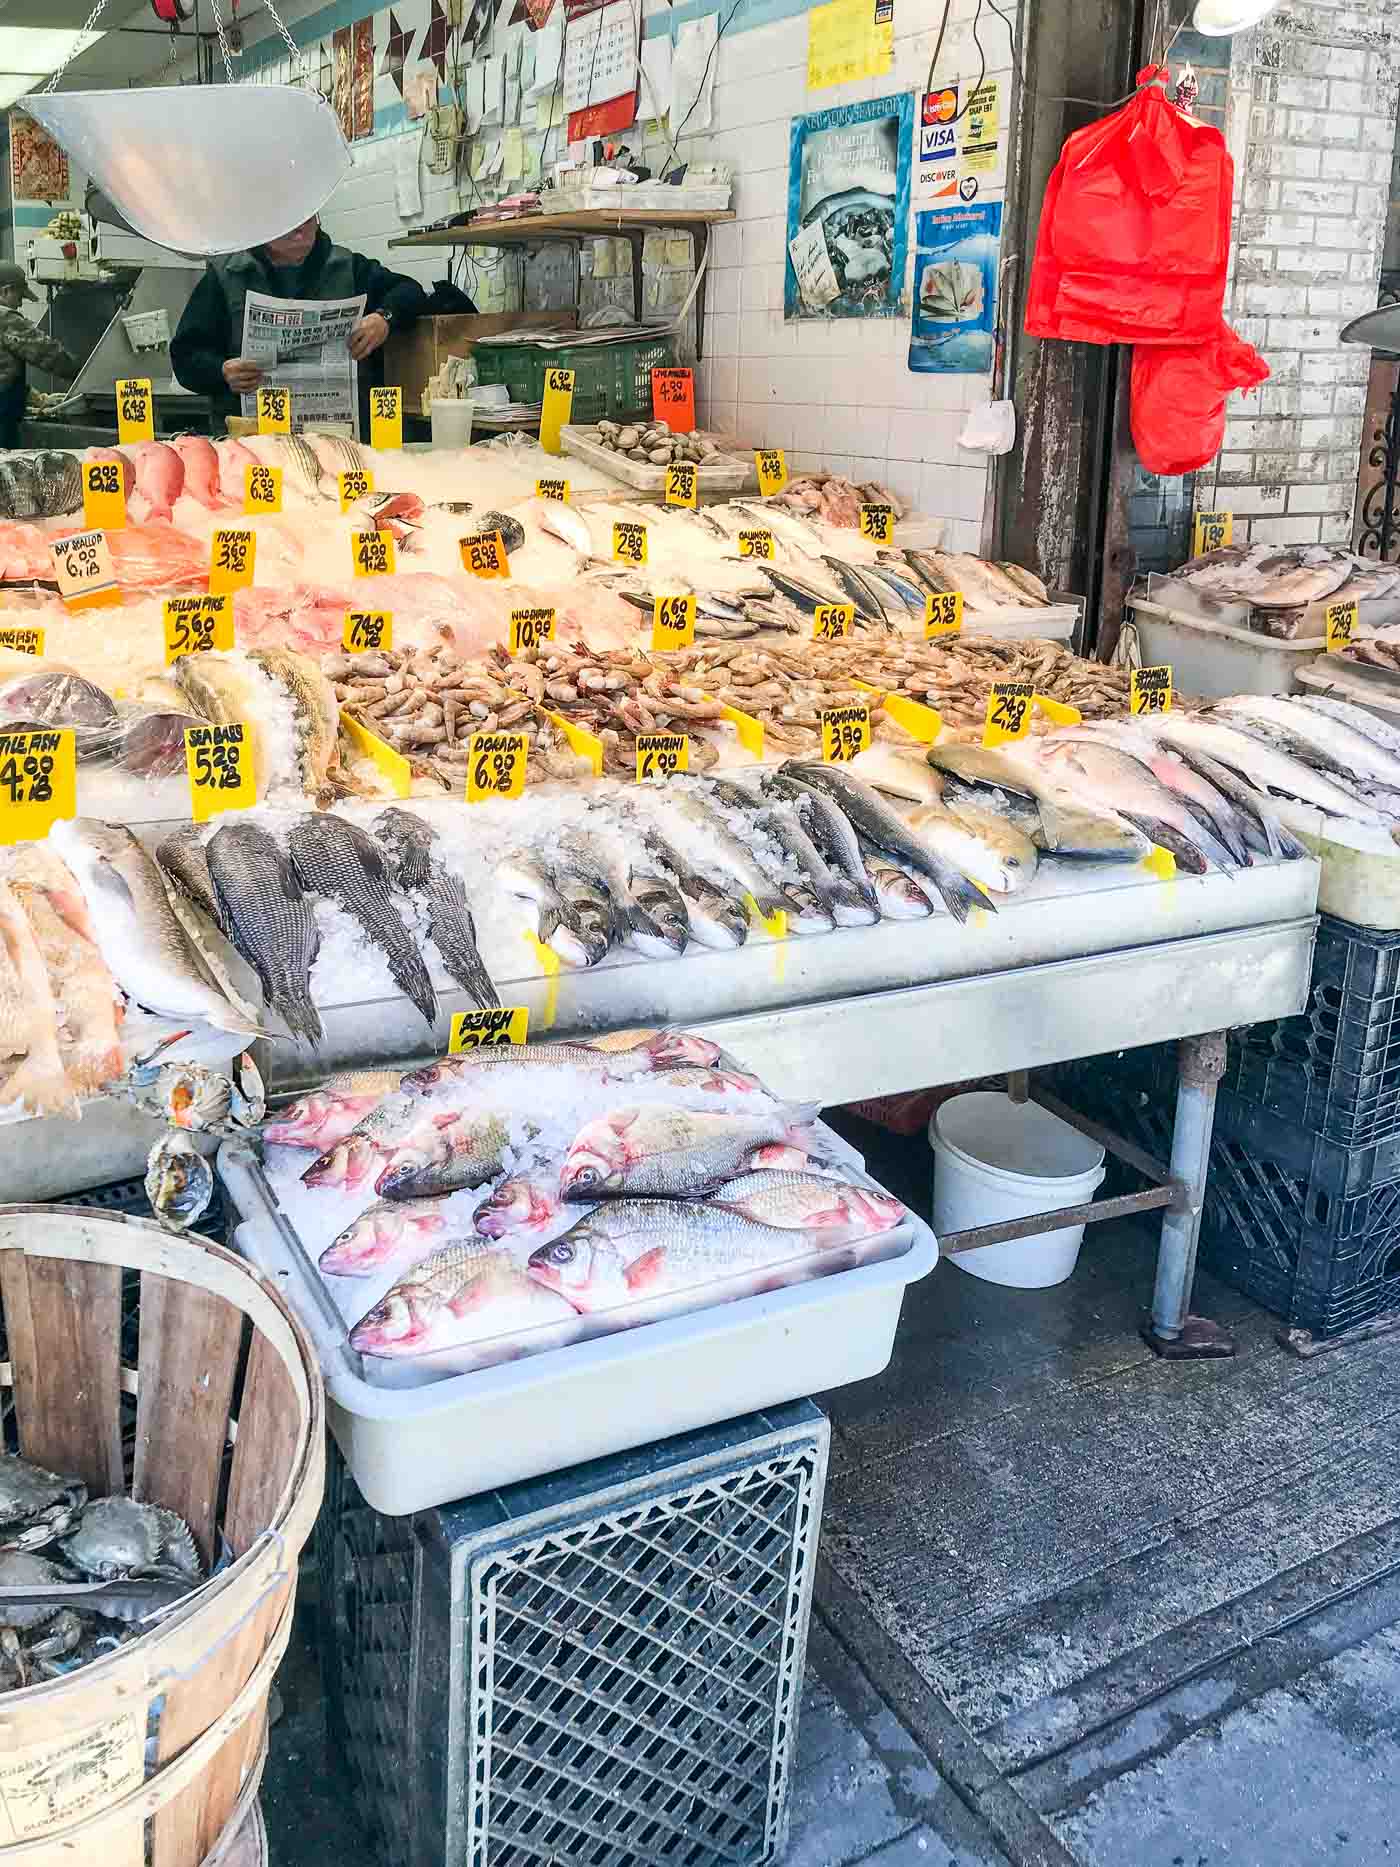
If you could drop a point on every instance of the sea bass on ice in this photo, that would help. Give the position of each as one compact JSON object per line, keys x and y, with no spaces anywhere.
{"x":268,"y":918}
{"x":669,"y":1153}
{"x":421,"y":874}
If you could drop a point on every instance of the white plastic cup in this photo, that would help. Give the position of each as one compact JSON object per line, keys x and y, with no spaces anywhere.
{"x":996,"y":1159}
{"x":452,"y":422}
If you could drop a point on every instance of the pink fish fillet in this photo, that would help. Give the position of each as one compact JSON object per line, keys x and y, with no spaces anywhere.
{"x":24,"y":552}
{"x":201,"y":466}
{"x":234,"y":459}
{"x":160,"y":475}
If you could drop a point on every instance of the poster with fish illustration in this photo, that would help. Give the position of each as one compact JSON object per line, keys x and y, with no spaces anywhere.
{"x":848,"y":210}
{"x":38,"y":167}
{"x":362,"y":77}
{"x":956,"y":260}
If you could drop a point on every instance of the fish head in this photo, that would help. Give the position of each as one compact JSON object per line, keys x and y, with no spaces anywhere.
{"x":851,"y":906}
{"x":347,"y":1164}
{"x":371,"y":1239}
{"x":657,"y":937}
{"x":719,"y":923}
{"x":780,"y":1157}
{"x":585,"y":1269}
{"x":577,"y":945}
{"x":900,"y":896}
{"x":404,"y":1177}
{"x":598,"y":1158}
{"x":667,"y":1048}
{"x":397,"y":1325}
{"x":807,"y":913}
{"x":524,"y":1203}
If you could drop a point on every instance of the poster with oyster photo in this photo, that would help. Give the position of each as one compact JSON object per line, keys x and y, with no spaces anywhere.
{"x":848,"y":210}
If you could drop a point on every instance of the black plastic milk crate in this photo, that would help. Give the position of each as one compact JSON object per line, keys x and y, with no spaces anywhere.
{"x":1335,"y":1068}
{"x":602,"y":1668}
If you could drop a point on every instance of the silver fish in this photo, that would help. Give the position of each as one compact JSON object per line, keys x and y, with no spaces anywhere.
{"x":831,"y":833}
{"x":386,"y":1236}
{"x":726,"y":854}
{"x":668,"y":1153}
{"x":466,"y":1294}
{"x":812,"y":903}
{"x":898,"y":895}
{"x":337,"y":859}
{"x":559,"y":923}
{"x":715,"y":919}
{"x":811,"y":1201}
{"x":1337,"y":740}
{"x":419,"y":873}
{"x":268,"y":919}
{"x":180,"y":855}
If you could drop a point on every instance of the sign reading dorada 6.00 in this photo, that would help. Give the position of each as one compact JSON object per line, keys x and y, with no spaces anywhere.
{"x":496,"y":766}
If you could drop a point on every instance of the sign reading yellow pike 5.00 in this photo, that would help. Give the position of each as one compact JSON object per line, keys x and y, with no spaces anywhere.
{"x":195,"y":624}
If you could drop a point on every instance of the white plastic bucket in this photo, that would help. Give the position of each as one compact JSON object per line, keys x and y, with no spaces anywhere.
{"x":452,"y":423}
{"x":996,"y":1159}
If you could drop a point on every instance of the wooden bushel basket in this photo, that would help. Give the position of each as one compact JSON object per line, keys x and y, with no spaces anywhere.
{"x":167,"y":1366}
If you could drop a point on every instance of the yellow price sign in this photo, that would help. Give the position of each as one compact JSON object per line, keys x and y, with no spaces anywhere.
{"x":386,"y":417}
{"x":219,"y":763}
{"x":629,"y":542}
{"x":262,"y":489}
{"x":135,"y":417}
{"x":672,"y":622}
{"x":104,"y":496}
{"x":38,"y":782}
{"x":1341,"y":625}
{"x":1151,"y":690}
{"x":1008,"y":712}
{"x":772,"y":469}
{"x":832,"y":622}
{"x":22,"y":641}
{"x":553,"y":489}
{"x":681,"y":483}
{"x":274,"y":410}
{"x":496,"y":766}
{"x":756,"y":544}
{"x":353,"y":485}
{"x":530,"y":627}
{"x":366,"y":629}
{"x":1211,"y":531}
{"x":662,"y":755}
{"x":943,"y":614}
{"x":195,"y":624}
{"x":877,"y":524}
{"x":83,"y":569}
{"x":481,"y":1030}
{"x":845,"y":733}
{"x":232,"y":554}
{"x":372,"y":553}
{"x":484,"y":555}
{"x":556,"y":408}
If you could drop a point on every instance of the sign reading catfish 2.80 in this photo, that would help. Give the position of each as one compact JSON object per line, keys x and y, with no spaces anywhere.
{"x":848,"y":210}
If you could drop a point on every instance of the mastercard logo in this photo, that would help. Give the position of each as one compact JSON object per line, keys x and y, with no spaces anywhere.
{"x":940,"y":106}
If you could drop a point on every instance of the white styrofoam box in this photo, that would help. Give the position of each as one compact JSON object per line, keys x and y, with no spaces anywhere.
{"x":1215,"y":658}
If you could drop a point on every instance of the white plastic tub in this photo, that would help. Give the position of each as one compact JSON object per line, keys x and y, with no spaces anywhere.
{"x":996,"y":1159}
{"x":1216,"y":658}
{"x":452,"y":422}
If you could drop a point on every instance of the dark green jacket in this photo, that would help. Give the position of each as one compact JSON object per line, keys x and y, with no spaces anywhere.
{"x":22,"y":342}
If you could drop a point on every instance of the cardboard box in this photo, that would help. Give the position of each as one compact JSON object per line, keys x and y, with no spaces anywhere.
{"x":412,"y":356}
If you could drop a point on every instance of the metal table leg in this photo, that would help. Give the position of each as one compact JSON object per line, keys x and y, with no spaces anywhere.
{"x":1171,"y":1330}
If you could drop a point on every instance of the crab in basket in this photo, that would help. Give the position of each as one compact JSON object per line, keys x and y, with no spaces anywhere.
{"x":192,"y":1100}
{"x":33,"y":1636}
{"x":36,"y":1506}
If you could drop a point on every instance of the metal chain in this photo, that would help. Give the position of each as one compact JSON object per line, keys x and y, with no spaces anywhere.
{"x":223,"y":42}
{"x":292,"y":45}
{"x":77,"y":45}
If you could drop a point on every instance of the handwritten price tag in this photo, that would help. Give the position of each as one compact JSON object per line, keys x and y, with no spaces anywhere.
{"x":673,"y":399}
{"x":219,"y":762}
{"x":832,"y":622}
{"x":877,"y":524}
{"x":557,"y":407}
{"x":772,"y":469}
{"x":386,"y":417}
{"x":1211,"y":531}
{"x":22,"y":641}
{"x":352,"y":486}
{"x":530,"y":627}
{"x":756,"y":544}
{"x":1008,"y":712}
{"x":195,"y":624}
{"x":673,"y":622}
{"x":262,"y":489}
{"x":83,"y":568}
{"x":38,"y":782}
{"x":1151,"y":690}
{"x":232,"y":554}
{"x":1340,"y":625}
{"x":480,"y":1030}
{"x":845,"y":733}
{"x":135,"y":421}
{"x":662,"y":755}
{"x":484,"y":555}
{"x":104,"y":497}
{"x":373,"y":554}
{"x":274,"y":410}
{"x":943,"y":614}
{"x":629,"y":542}
{"x":367,"y":628}
{"x":553,"y":489}
{"x":495,"y":766}
{"x":681,"y":483}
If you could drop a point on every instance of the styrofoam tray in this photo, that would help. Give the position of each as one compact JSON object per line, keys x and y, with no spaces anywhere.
{"x":733,"y":475}
{"x":410,"y":1449}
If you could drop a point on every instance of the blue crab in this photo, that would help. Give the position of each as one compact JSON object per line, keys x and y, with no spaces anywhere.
{"x":190,"y":1097}
{"x":36,"y":1505}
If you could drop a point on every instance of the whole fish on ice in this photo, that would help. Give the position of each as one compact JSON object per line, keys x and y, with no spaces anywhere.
{"x":420,"y":873}
{"x":268,"y":919}
{"x":468,"y":1294}
{"x":324,"y":1115}
{"x":388,"y":1235}
{"x":669,"y":1153}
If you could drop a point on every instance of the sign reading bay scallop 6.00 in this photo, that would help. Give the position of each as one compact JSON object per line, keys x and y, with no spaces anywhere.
{"x":673,"y":622}
{"x":262,"y":489}
{"x":772,"y":470}
{"x":845,"y":733}
{"x":386,"y":418}
{"x":556,"y":408}
{"x":832,"y":622}
{"x":366,"y":629}
{"x":629,"y":542}
{"x":233,"y":552}
{"x":1211,"y":532}
{"x":195,"y":624}
{"x":274,"y":409}
{"x":38,"y":782}
{"x":496,"y":766}
{"x":756,"y":544}
{"x":82,"y":565}
{"x":1340,"y":623}
{"x":1151,"y":689}
{"x":530,"y":627}
{"x":662,"y":755}
{"x":354,"y":484}
{"x":104,"y":497}
{"x":943,"y":614}
{"x":483,"y":1030}
{"x":1008,"y":712}
{"x":135,"y":420}
{"x":484,"y":555}
{"x":373,"y":554}
{"x":219,"y":763}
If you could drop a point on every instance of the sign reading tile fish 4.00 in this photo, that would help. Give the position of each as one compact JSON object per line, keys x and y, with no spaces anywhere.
{"x":480,"y":1030}
{"x":104,"y":497}
{"x":681,"y":483}
{"x":772,"y":470}
{"x":386,"y":417}
{"x":629,"y":542}
{"x":262,"y":489}
{"x":83,"y":569}
{"x":673,"y":622}
{"x":495,"y":766}
{"x":353,"y":485}
{"x":194,"y":624}
{"x":38,"y":782}
{"x":219,"y":761}
{"x":877,"y":524}
{"x":530,"y":627}
{"x":366,"y":629}
{"x":372,"y":554}
{"x":135,"y":421}
{"x":1008,"y":712}
{"x":484,"y":555}
{"x":232,"y":552}
{"x":845,"y":733}
{"x":832,"y":622}
{"x":274,"y":410}
{"x":943,"y":614}
{"x":661,"y":755}
{"x":1211,"y":531}
{"x":22,"y":641}
{"x":1151,"y":690}
{"x":1341,"y":625}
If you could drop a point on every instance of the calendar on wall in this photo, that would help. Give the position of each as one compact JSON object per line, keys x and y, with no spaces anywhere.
{"x":600,"y":56}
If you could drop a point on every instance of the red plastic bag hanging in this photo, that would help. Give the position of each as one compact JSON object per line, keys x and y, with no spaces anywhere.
{"x":1135,"y":231}
{"x":1177,"y":403}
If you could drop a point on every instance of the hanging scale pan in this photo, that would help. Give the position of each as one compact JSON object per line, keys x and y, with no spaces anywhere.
{"x":203,"y":169}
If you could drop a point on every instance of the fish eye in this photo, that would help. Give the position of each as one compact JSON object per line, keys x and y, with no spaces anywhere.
{"x":586,"y":1176}
{"x":560,"y":1253}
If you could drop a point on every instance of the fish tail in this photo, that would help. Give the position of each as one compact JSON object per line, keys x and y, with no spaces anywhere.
{"x":302,"y":1017}
{"x":1187,"y":852}
{"x":1213,"y":829}
{"x":960,"y":895}
{"x":42,"y":1089}
{"x":410,"y":975}
{"x":467,"y":967}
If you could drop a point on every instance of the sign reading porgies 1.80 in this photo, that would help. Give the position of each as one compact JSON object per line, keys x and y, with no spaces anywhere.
{"x":484,"y":1030}
{"x":38,"y":782}
{"x":219,"y":764}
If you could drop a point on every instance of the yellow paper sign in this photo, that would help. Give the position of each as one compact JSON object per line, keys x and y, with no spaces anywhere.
{"x":772,"y":470}
{"x":662,"y":755}
{"x":681,"y":483}
{"x":920,"y":722}
{"x":232,"y":552}
{"x":629,"y":542}
{"x":262,"y":489}
{"x":832,"y":622}
{"x":135,"y":420}
{"x":104,"y":497}
{"x":1341,"y":625}
{"x":38,"y":782}
{"x":530,"y":627}
{"x":553,"y":489}
{"x":774,"y":924}
{"x":219,"y":761}
{"x":83,"y":569}
{"x":672,"y":622}
{"x":274,"y":409}
{"x":877,"y":524}
{"x":392,"y":765}
{"x":23,"y":641}
{"x":748,"y":730}
{"x":848,"y":40}
{"x":1151,"y":690}
{"x":1211,"y":531}
{"x":943,"y":614}
{"x":480,"y":1030}
{"x":1008,"y":712}
{"x":366,"y":629}
{"x":845,"y":732}
{"x":496,"y":766}
{"x":1056,"y":711}
{"x":353,"y":485}
{"x":372,"y":554}
{"x":756,"y":544}
{"x":557,"y":407}
{"x":484,"y":555}
{"x":195,"y":624}
{"x":386,"y":417}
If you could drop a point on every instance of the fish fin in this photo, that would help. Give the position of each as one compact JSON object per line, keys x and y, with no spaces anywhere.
{"x":1189,"y":858}
{"x":643,"y":1270}
{"x":960,"y":895}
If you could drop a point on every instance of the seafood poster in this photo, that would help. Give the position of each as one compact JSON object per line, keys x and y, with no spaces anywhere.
{"x":956,"y":260}
{"x":38,"y":167}
{"x":848,"y":210}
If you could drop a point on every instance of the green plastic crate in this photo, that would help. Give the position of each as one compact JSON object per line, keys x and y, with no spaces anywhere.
{"x":610,"y":380}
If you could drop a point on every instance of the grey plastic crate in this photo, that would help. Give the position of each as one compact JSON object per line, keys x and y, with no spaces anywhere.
{"x":598,"y":1669}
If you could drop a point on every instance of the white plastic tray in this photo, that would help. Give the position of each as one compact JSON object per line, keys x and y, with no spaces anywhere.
{"x":732,"y":475}
{"x":410,"y":1449}
{"x":1216,"y":658}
